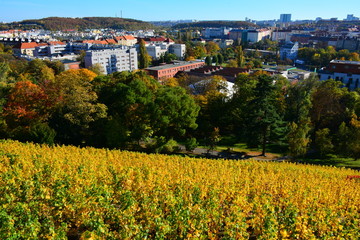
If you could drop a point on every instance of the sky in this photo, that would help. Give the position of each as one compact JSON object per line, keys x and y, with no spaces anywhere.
{"x":160,"y":10}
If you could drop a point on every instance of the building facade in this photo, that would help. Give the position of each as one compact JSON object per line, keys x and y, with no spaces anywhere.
{"x":348,"y":72}
{"x":258,"y":35}
{"x":209,"y":33}
{"x":167,"y":71}
{"x":285,"y":18}
{"x":113,"y":60}
{"x":289,"y":51}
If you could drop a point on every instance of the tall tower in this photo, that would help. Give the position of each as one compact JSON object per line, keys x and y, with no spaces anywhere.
{"x":285,"y":18}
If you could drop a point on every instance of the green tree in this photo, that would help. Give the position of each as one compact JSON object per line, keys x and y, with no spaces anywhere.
{"x":175,"y":113}
{"x":81,"y":58}
{"x":220,"y":58}
{"x":298,"y":113}
{"x":78,"y":108}
{"x":212,"y":48}
{"x":4,"y":71}
{"x":240,"y":59}
{"x":213,"y":139}
{"x":215,"y":60}
{"x":191,"y":144}
{"x":265,"y":121}
{"x":38,"y":71}
{"x":130,"y":101}
{"x":331,"y":105}
{"x":354,"y":137}
{"x":169,"y":57}
{"x":298,"y":138}
{"x":144,"y":57}
{"x":208,"y":60}
{"x":57,"y":66}
{"x":323,"y":141}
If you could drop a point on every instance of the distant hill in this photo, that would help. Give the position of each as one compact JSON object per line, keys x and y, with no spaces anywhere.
{"x":59,"y":23}
{"x":215,"y":24}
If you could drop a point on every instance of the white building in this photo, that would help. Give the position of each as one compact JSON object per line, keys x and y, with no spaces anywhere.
{"x":113,"y":60}
{"x":348,"y":72}
{"x":281,"y":35}
{"x":258,"y":35}
{"x":216,"y":32}
{"x":156,"y":50}
{"x":178,"y":49}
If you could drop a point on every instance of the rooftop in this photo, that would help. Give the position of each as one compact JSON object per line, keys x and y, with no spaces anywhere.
{"x":174,"y":64}
{"x":345,"y":62}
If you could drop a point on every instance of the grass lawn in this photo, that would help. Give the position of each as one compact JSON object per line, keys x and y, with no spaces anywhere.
{"x":334,"y":161}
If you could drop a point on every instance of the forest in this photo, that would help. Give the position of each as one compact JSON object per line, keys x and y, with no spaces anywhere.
{"x":59,"y":23}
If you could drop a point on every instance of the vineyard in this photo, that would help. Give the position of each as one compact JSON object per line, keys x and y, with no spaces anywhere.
{"x":65,"y":192}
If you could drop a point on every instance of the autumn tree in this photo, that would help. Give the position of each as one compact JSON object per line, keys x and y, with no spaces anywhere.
{"x":38,"y":71}
{"x":212,"y":48}
{"x":27,"y":110}
{"x":79,"y":106}
{"x":27,"y":103}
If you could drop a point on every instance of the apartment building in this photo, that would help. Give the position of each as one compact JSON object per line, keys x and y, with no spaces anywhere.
{"x":289,"y":51}
{"x":25,"y":48}
{"x":113,"y":60}
{"x":348,"y":72}
{"x":126,"y":40}
{"x":258,"y":35}
{"x":156,"y":50}
{"x":167,"y":71}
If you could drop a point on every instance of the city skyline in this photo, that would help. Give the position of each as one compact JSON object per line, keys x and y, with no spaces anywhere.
{"x":165,"y":10}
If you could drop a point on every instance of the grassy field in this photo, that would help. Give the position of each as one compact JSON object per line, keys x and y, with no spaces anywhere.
{"x":333,"y":161}
{"x":65,"y":192}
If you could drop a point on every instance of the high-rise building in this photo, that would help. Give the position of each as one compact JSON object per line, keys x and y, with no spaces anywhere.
{"x":113,"y":60}
{"x":351,"y":17}
{"x":284,"y":18}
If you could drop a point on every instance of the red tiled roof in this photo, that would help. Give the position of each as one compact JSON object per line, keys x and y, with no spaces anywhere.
{"x":42,"y":44}
{"x":95,"y":41}
{"x":28,"y":45}
{"x":57,"y":43}
{"x":110,"y":41}
{"x":129,"y":37}
{"x":157,"y":39}
{"x":100,"y":42}
{"x":125,"y":37}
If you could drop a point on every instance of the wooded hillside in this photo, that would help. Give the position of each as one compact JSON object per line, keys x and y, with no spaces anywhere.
{"x":215,"y":24}
{"x":59,"y":23}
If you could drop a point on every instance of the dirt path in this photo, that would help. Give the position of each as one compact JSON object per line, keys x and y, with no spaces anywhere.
{"x":203,"y":152}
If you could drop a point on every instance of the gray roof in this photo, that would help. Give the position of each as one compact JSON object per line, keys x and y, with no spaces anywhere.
{"x":345,"y":62}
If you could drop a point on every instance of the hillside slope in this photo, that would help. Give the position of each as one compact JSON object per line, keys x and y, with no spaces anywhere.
{"x":215,"y":24}
{"x":59,"y":23}
{"x":67,"y":192}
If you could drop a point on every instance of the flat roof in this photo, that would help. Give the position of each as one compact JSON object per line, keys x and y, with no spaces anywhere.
{"x":345,"y":62}
{"x":175,"y":64}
